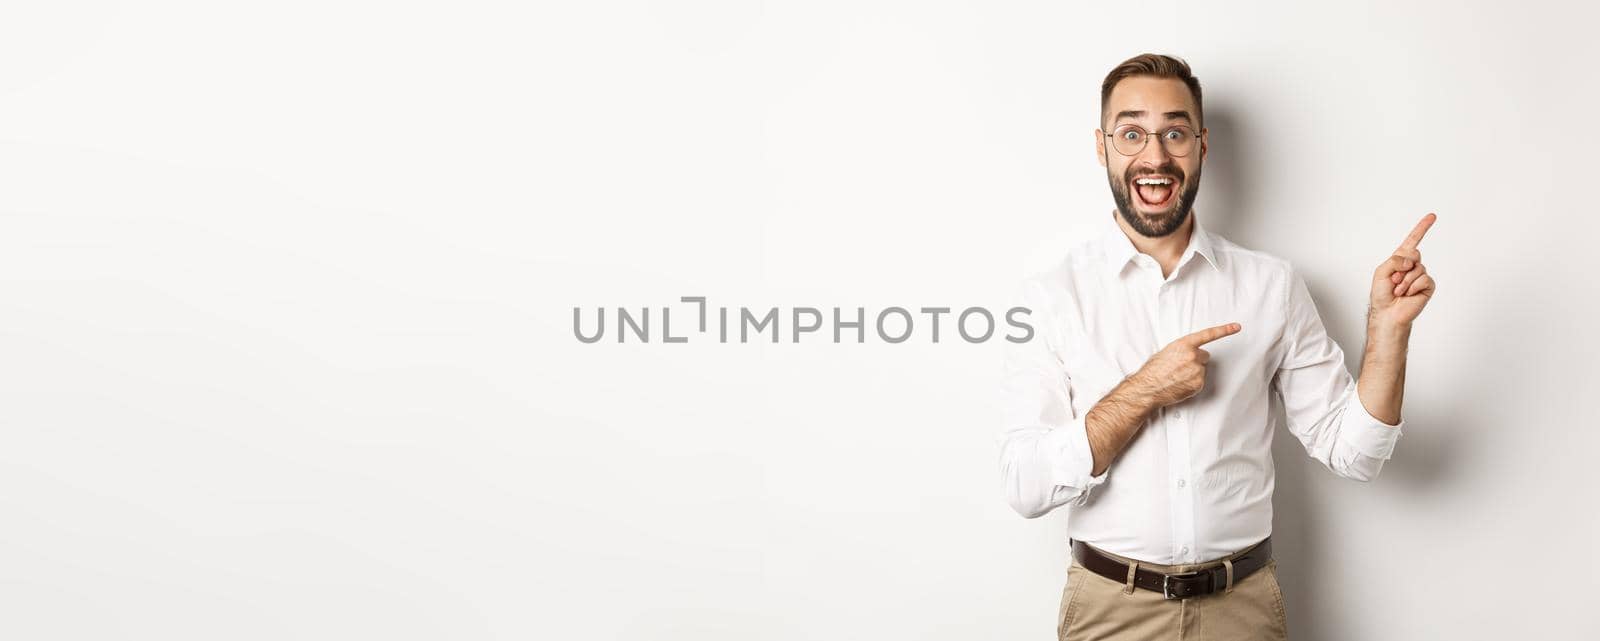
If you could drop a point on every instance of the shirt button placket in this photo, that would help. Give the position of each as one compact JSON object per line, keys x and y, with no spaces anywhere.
{"x":1178,"y":467}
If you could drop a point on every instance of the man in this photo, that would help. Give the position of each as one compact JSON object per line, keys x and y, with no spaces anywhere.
{"x":1142,"y":406}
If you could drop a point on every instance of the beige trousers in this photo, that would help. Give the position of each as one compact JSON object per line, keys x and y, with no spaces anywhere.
{"x":1095,"y":607}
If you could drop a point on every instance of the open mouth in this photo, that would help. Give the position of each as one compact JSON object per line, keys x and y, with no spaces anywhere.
{"x":1156,"y":191}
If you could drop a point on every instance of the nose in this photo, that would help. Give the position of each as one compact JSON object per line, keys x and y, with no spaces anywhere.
{"x":1154,"y":152}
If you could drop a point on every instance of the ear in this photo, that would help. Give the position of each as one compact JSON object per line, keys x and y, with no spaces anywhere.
{"x":1100,"y":146}
{"x":1204,"y":136}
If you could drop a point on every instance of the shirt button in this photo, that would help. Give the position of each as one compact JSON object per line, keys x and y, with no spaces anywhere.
{"x":1181,"y":483}
{"x":1184,"y":551}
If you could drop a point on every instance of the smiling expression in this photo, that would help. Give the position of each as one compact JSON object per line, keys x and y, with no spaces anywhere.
{"x":1154,"y":190}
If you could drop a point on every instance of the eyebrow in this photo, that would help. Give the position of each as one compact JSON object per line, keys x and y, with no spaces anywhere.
{"x":1171,"y":115}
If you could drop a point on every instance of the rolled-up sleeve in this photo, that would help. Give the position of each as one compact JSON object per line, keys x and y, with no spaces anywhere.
{"x":1045,"y":460}
{"x":1319,"y":395}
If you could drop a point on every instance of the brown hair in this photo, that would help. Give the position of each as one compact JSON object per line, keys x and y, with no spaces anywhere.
{"x":1152,"y":64}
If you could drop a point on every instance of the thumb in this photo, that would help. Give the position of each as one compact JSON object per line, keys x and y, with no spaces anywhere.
{"x":1395,"y":263}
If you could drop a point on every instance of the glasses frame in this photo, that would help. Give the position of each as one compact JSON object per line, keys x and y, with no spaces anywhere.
{"x":1145,"y":141}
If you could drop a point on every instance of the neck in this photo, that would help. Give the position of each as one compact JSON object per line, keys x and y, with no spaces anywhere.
{"x":1167,"y":250}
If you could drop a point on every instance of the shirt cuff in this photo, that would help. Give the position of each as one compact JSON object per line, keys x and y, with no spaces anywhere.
{"x":1366,"y":433}
{"x":1073,"y":460}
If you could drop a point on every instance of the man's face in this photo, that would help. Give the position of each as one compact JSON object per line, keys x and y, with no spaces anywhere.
{"x":1155,"y":105}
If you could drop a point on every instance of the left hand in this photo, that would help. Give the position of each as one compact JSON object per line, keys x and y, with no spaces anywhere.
{"x":1401,"y":286}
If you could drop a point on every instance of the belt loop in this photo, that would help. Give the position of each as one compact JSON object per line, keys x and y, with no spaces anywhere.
{"x":1228,"y":563}
{"x":1133,"y":568}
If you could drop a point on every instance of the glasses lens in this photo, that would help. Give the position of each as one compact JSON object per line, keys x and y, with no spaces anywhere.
{"x":1128,"y":140}
{"x":1179,"y":141}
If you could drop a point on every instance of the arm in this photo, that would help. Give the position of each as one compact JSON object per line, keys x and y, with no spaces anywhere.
{"x":1049,"y":454}
{"x":1114,"y":420}
{"x":1401,"y":287}
{"x":1171,"y":376}
{"x":1352,"y":428}
{"x":1319,"y":395}
{"x":1045,"y":456}
{"x":1382,"y":385}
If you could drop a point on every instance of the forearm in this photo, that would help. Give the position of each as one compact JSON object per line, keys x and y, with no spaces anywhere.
{"x":1114,"y":421}
{"x":1382,"y":383}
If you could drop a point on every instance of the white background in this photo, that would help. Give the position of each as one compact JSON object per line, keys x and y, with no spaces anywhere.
{"x":288,"y":290}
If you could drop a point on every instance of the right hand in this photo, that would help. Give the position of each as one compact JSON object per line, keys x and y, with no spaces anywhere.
{"x":1178,"y":371}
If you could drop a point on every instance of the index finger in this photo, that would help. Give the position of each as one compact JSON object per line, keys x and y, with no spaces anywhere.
{"x":1210,"y":334}
{"x":1416,"y":232}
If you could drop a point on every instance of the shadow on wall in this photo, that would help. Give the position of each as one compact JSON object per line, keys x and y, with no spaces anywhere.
{"x":1420,"y":463}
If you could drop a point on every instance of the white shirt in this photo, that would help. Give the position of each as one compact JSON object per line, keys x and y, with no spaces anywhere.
{"x":1195,"y":483}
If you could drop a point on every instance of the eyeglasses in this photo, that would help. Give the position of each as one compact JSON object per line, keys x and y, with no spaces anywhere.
{"x":1129,"y":140}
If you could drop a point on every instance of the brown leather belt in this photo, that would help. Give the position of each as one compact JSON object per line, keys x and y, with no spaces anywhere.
{"x":1176,"y":586}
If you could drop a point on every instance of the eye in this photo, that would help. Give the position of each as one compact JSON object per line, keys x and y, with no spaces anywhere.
{"x":1130,"y":135}
{"x":1176,"y":135}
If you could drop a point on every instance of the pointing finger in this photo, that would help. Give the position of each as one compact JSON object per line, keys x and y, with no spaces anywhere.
{"x":1415,"y":237}
{"x":1210,"y":334}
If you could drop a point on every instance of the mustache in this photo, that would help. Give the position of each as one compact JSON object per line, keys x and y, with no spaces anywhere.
{"x":1169,"y":169}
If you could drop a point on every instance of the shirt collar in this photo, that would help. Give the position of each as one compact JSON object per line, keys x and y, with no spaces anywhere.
{"x":1119,"y":249}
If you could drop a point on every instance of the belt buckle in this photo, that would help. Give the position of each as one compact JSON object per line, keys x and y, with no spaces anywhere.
{"x":1166,"y":584}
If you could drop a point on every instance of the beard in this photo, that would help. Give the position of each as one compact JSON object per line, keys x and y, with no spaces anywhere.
{"x":1161,"y":224}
